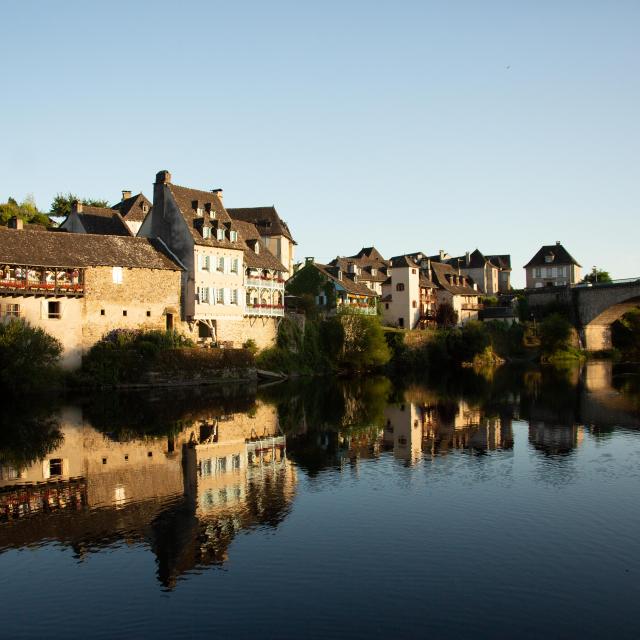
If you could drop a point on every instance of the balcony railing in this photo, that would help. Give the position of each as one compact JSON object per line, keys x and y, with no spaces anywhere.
{"x":264,"y":310}
{"x":268,"y":283}
{"x":31,"y":287}
{"x":472,"y":307}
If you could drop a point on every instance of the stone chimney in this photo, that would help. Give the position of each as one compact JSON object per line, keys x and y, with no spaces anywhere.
{"x":218,"y":192}
{"x":16,"y":223}
{"x":126,"y":194}
{"x":557,"y":242}
{"x":467,"y":258}
{"x":163,"y":177}
{"x":76,"y":206}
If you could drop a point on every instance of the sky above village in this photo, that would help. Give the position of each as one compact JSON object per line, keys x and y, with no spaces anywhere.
{"x":411,"y":126}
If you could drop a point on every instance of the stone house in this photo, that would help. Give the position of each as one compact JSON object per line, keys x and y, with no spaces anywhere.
{"x":220,"y":266}
{"x":273,"y":231}
{"x":368,"y":265}
{"x":78,"y":287}
{"x":456,"y":289}
{"x":492,"y":274}
{"x":133,"y":209}
{"x":552,"y":266}
{"x":95,"y":220}
{"x":409,"y":297}
{"x":333,"y":289}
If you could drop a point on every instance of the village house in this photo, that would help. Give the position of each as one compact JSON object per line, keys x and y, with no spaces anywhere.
{"x":552,"y":266}
{"x":77,"y":287}
{"x":133,"y":209}
{"x":492,"y":273}
{"x":273,"y":231}
{"x":333,"y":290}
{"x":368,"y":265}
{"x":455,"y":289}
{"x":409,"y":296}
{"x":232,"y":285}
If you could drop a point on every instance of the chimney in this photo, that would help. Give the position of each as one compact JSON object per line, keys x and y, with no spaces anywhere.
{"x":126,"y":195}
{"x":76,"y":206}
{"x":16,"y":223}
{"x":467,"y":258}
{"x":218,"y":192}
{"x":309,"y":260}
{"x":441,"y":254}
{"x":557,"y":241}
{"x":163,"y":177}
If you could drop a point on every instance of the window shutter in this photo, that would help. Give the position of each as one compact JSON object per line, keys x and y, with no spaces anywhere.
{"x":213,"y":295}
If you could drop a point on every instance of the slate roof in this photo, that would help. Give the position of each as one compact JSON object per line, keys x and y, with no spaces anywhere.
{"x":185,"y":197}
{"x":369,"y":255}
{"x":266,"y":219}
{"x":133,"y":208}
{"x":426,"y":283}
{"x":356,"y":288}
{"x":365,"y":269}
{"x":70,"y":250}
{"x":102,"y":221}
{"x":264,"y":259}
{"x":559,"y":253}
{"x":403,"y":261}
{"x":503,"y":261}
{"x":440,"y":272}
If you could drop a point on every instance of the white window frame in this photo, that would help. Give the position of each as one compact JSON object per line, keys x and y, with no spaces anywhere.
{"x":235,"y":265}
{"x":220,"y":264}
{"x":117,"y":275}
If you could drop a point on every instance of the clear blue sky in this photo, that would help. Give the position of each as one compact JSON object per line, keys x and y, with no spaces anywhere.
{"x":408,"y":125}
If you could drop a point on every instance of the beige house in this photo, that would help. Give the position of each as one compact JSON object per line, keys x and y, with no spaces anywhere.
{"x":232,"y":286}
{"x":368,"y":265}
{"x":552,"y":266}
{"x":77,"y":287}
{"x":492,"y":274}
{"x":455,"y":289}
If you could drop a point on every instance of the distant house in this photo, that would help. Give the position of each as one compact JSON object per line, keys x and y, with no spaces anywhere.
{"x":133,"y":209}
{"x":95,"y":220}
{"x":552,"y":266}
{"x":368,"y":265}
{"x":455,"y":288}
{"x":409,"y":297}
{"x":332,"y":288}
{"x":274,"y":232}
{"x":492,"y":273}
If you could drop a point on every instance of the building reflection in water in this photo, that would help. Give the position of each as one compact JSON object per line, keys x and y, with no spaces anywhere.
{"x":186,"y":494}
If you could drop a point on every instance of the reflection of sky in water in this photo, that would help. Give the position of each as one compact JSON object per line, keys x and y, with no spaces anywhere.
{"x":531,"y":530}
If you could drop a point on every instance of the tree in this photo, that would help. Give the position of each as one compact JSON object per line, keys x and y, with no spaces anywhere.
{"x":597,"y":275}
{"x":446,"y":315}
{"x":61,"y":205}
{"x":364,"y":342}
{"x":25,"y":210}
{"x":625,"y":332}
{"x":555,"y":333}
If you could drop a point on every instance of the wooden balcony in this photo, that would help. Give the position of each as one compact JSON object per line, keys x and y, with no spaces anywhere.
{"x":268,"y":310}
{"x":41,"y":288}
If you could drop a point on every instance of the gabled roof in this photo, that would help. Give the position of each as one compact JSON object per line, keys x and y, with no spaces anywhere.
{"x":558,"y":254}
{"x":133,"y":208}
{"x":399,"y":262}
{"x":369,"y":255}
{"x":442,"y":271}
{"x":503,"y":261}
{"x":185,"y":197}
{"x":263,"y":259}
{"x":266,"y":219}
{"x":71,"y":250}
{"x":356,"y":288}
{"x":426,"y":283}
{"x":365,"y":269}
{"x":102,"y":221}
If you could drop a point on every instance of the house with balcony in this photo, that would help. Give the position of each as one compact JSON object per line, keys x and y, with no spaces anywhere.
{"x":219,"y":261}
{"x":552,"y":266}
{"x":409,"y":296}
{"x":333,"y":290}
{"x":77,"y":287}
{"x":456,"y":289}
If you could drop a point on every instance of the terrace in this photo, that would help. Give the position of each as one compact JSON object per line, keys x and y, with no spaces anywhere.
{"x":25,"y":280}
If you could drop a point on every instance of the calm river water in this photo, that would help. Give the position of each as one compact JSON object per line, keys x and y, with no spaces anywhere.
{"x":459,"y":507}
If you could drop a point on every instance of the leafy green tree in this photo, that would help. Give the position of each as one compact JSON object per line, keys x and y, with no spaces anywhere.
{"x":364,"y":342}
{"x":597,"y":275}
{"x":625,"y":332}
{"x":446,"y":315}
{"x":61,"y":205}
{"x":29,"y":357}
{"x":25,"y":210}
{"x":555,"y":333}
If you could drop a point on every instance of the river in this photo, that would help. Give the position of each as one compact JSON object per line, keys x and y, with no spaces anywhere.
{"x":453,"y":506}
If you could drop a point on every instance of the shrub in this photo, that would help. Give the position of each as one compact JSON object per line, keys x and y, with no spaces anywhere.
{"x":555,"y":333}
{"x":446,"y":315}
{"x":29,"y":357}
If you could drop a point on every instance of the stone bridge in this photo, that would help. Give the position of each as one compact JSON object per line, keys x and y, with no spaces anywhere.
{"x":595,"y":307}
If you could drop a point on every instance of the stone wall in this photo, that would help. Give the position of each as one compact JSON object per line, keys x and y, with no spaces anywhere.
{"x":237,"y":332}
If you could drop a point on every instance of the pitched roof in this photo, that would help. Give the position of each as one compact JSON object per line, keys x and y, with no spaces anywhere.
{"x":503,"y":261}
{"x":133,"y":208}
{"x":369,"y":254}
{"x":70,"y":250}
{"x":266,"y":219}
{"x":185,"y":197}
{"x":403,"y":261}
{"x":365,"y":269}
{"x":357,"y":288}
{"x":102,"y":221}
{"x":441,"y":270}
{"x":263,"y":259}
{"x":558,"y":254}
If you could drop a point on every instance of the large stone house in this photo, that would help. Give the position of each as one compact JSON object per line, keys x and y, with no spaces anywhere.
{"x":273,"y":231}
{"x":221,"y":266}
{"x":409,"y":296}
{"x":78,"y":287}
{"x":492,"y":273}
{"x":552,"y":266}
{"x":333,"y":290}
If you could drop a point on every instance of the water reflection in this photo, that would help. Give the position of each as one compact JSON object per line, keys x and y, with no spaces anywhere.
{"x":184,"y":473}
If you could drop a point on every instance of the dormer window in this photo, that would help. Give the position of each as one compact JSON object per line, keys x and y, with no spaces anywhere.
{"x":233,"y":236}
{"x":145,"y":207}
{"x":549,"y":257}
{"x":206,"y":232}
{"x":220,"y":234}
{"x":200,"y":212}
{"x":373,"y":271}
{"x":339,"y":274}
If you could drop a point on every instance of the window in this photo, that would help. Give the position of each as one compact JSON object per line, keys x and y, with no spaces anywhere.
{"x":401,"y":322}
{"x":373,"y":271}
{"x":233,"y":236}
{"x":206,"y":232}
{"x":104,"y":461}
{"x":206,"y":467}
{"x":548,"y":258}
{"x":235,"y":461}
{"x":234,"y":296}
{"x":235,"y":265}
{"x":13,"y":310}
{"x":124,"y":312}
{"x":148,"y":314}
{"x":537,"y":273}
{"x":221,"y":465}
{"x":204,"y":295}
{"x":220,"y":296}
{"x":413,"y":271}
{"x":386,"y":305}
{"x":102,"y":312}
{"x":116,"y":274}
{"x":220,"y":234}
{"x":55,"y":467}
{"x":206,"y":263}
{"x":53,"y":310}
{"x":414,"y":304}
{"x":400,"y":286}
{"x":220,"y":264}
